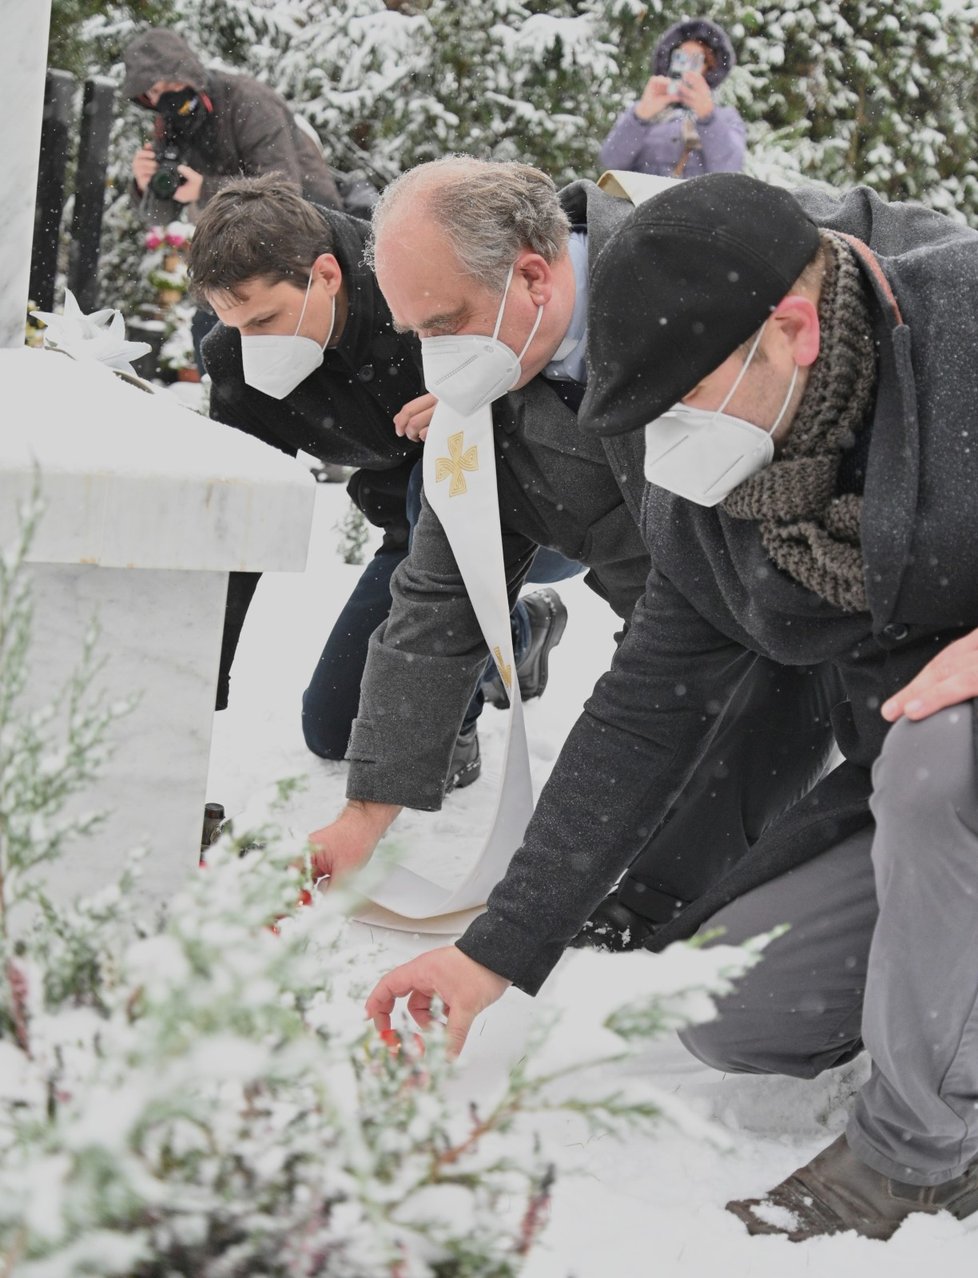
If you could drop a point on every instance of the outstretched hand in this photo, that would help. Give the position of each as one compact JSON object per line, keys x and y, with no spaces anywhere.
{"x":346,"y":844}
{"x":946,"y":680}
{"x":464,"y":986}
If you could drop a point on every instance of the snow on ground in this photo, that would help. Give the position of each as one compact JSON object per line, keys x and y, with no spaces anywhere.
{"x":640,"y":1206}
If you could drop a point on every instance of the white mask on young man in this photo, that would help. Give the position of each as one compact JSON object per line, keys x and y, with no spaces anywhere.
{"x":471,"y":370}
{"x":704,"y":455}
{"x":276,"y":363}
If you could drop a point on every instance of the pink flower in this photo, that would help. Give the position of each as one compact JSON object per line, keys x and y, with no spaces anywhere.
{"x":154,"y":237}
{"x":177,"y":234}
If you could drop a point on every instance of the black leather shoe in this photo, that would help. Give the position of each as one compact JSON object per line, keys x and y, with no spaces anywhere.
{"x":466,"y":764}
{"x":548,"y":620}
{"x":614,"y":927}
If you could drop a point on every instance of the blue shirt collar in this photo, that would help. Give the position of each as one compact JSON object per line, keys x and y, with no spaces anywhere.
{"x":572,"y":351}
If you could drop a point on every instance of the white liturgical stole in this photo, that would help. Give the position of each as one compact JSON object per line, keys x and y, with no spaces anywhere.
{"x":467,"y":372}
{"x":460,"y":484}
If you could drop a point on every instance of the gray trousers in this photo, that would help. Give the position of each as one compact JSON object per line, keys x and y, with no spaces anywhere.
{"x":882,"y":951}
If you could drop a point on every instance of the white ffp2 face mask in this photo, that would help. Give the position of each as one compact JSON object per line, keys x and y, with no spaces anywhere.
{"x":471,"y":370}
{"x":703,"y":456}
{"x":276,"y":363}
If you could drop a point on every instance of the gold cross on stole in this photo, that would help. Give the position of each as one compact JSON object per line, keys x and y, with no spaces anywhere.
{"x":505,"y":671}
{"x":455,"y":463}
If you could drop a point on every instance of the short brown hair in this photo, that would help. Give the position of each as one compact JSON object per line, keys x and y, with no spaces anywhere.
{"x":255,"y":228}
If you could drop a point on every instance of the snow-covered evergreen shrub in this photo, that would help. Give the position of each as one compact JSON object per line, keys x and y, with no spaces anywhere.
{"x":354,"y":533}
{"x":877,"y":91}
{"x":198,"y":1094}
{"x":841,"y":91}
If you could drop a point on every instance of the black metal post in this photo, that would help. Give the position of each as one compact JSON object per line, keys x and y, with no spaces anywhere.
{"x":59,"y":88}
{"x":86,"y":223}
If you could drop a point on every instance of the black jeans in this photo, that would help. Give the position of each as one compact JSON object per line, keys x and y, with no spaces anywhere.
{"x":329,"y":704}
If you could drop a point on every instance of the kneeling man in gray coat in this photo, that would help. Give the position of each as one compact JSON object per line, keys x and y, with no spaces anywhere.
{"x":804,"y":401}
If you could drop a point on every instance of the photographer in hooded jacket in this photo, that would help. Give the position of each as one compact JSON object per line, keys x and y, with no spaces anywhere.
{"x":211,"y":128}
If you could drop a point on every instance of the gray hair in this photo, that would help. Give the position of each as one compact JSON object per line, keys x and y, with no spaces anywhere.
{"x":489,"y":210}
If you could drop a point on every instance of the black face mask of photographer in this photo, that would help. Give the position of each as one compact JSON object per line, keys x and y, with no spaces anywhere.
{"x":183,"y":111}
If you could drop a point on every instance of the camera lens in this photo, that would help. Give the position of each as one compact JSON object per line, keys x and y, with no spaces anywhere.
{"x":164,"y":183}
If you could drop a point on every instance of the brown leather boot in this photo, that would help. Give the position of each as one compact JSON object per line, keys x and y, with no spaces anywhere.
{"x":836,"y":1192}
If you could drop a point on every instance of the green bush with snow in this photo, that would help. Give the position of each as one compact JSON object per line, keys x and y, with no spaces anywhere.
{"x":198,"y":1093}
{"x":839,"y":91}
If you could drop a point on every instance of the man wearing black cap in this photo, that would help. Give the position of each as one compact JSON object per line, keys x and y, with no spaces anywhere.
{"x":811,"y":500}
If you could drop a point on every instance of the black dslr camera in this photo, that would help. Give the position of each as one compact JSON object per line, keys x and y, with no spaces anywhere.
{"x":166,"y":179}
{"x":181,"y":115}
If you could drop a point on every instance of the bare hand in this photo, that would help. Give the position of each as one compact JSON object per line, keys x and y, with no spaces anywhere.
{"x":144,"y":165}
{"x":188,"y":192}
{"x":655,"y":98}
{"x":346,"y":844}
{"x":948,"y":679}
{"x":694,"y":93}
{"x":464,"y":986}
{"x":414,"y":418}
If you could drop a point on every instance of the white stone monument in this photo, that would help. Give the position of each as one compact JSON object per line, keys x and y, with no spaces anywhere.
{"x":148,"y":507}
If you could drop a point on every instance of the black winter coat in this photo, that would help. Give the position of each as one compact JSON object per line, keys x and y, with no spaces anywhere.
{"x":714,"y":604}
{"x":342,"y":413}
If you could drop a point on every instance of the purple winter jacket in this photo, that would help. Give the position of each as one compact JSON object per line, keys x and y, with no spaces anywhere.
{"x":655,"y":146}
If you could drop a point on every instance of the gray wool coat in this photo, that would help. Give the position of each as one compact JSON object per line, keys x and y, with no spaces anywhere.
{"x":556,"y":489}
{"x":714,"y":605}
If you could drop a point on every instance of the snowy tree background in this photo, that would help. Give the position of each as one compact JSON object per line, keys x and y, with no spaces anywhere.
{"x":877,"y":91}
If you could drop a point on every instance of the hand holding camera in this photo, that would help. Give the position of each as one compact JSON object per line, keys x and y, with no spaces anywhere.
{"x":655,"y":98}
{"x":681,"y":62}
{"x":158,"y":169}
{"x":687,"y":84}
{"x":695,"y":95}
{"x":684,"y":86}
{"x":144,"y":165}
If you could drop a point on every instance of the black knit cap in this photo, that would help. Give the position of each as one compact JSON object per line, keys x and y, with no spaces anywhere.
{"x":683,"y":281}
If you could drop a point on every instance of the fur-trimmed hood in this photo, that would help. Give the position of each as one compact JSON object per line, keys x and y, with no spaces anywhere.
{"x":705,"y":32}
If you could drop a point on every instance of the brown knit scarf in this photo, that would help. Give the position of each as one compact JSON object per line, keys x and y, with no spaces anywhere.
{"x":811,"y":533}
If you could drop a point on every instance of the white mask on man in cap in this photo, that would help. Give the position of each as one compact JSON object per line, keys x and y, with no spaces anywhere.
{"x":703,"y":455}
